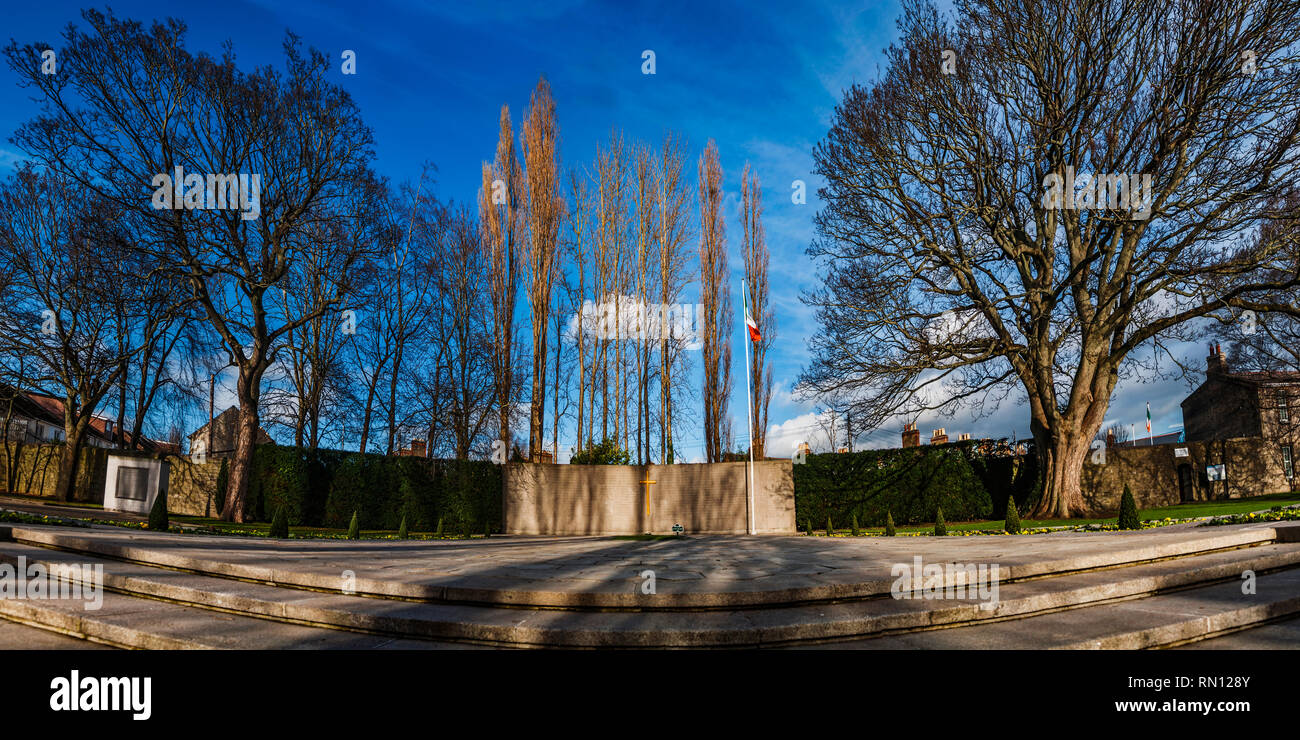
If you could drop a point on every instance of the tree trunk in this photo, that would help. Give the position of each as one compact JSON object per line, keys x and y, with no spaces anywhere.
{"x":1061,"y":456}
{"x":248,"y":390}
{"x":66,"y":483}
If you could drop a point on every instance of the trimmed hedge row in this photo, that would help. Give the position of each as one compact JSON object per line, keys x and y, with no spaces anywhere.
{"x":323,"y":488}
{"x":912,"y":484}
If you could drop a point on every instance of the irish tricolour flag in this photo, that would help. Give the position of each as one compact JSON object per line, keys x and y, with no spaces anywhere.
{"x":1148,"y":417}
{"x":754,"y":335}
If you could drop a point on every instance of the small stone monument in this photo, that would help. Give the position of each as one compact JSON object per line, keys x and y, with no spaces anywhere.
{"x":133,"y":483}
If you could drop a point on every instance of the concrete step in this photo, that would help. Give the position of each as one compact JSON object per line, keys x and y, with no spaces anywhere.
{"x":130,"y":622}
{"x":19,"y":636}
{"x":780,"y":625}
{"x":596,"y":573}
{"x":1282,"y":635}
{"x":1163,"y":620}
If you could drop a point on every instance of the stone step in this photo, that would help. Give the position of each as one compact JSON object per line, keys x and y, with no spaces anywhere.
{"x":780,"y":625}
{"x":140,"y":623}
{"x":19,"y":636}
{"x":1164,"y":620}
{"x":597,"y":573}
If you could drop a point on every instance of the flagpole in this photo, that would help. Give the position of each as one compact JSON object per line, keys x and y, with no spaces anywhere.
{"x":749,"y":405}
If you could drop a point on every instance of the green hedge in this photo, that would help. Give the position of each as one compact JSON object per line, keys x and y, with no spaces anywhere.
{"x":324,"y":487}
{"x":911,"y":483}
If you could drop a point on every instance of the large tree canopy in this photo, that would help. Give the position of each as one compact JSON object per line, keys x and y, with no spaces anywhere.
{"x":961,"y":261}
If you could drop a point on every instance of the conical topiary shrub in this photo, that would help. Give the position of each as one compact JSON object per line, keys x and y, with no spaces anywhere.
{"x":854,"y":529}
{"x":354,"y":528}
{"x":830,"y":528}
{"x":1128,"y":511}
{"x":889,"y":525}
{"x":158,"y":514}
{"x":487,"y":529}
{"x":1013,"y":517}
{"x":402,"y":534}
{"x":223,"y":481}
{"x":438,"y":532}
{"x":940,"y":527}
{"x":807,"y":527}
{"x":280,"y":523}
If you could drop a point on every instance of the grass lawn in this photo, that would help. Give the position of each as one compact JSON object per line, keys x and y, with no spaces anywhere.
{"x":1177,"y":511}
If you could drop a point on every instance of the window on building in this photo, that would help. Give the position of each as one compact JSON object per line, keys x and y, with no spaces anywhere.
{"x":1288,"y":462}
{"x":1283,"y":412}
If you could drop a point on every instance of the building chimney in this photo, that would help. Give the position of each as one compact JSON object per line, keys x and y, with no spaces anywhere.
{"x":418,"y":448}
{"x":911,"y":437}
{"x":940,"y":436}
{"x":1215,"y":364}
{"x":963,"y":437}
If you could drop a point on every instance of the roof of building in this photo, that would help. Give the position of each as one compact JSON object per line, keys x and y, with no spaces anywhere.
{"x":48,"y":408}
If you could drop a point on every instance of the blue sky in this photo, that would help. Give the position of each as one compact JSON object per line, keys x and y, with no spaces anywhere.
{"x":761,"y":78}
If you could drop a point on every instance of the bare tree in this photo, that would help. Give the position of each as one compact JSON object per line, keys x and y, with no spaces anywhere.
{"x":290,"y":144}
{"x":964,"y":260}
{"x":755,"y":256}
{"x":544,"y":211}
{"x":672,"y":208}
{"x":501,"y":218}
{"x":644,"y":204}
{"x":715,"y":294}
{"x":465,"y":329}
{"x":71,"y":285}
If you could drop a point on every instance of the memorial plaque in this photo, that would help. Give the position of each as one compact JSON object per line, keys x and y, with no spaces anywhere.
{"x":133,"y":483}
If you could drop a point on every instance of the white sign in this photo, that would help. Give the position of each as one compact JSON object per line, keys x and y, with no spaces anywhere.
{"x":1216,"y":472}
{"x":1180,"y":452}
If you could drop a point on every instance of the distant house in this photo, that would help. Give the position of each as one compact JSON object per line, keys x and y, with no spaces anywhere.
{"x":225,"y":428}
{"x":1264,"y":405}
{"x":417,"y":449}
{"x":37,"y":418}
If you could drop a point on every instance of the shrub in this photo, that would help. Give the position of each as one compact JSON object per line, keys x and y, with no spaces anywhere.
{"x":1128,"y":511}
{"x":889,"y":525}
{"x":854,"y":530}
{"x":280,"y":523}
{"x":940,"y":527}
{"x":158,"y":513}
{"x":830,"y":528}
{"x":1012,"y":524}
{"x":807,"y":527}
{"x":438,"y":532}
{"x":606,"y":452}
{"x":354,"y":529}
{"x":912,"y":481}
{"x":223,"y":482}
{"x":279,"y":477}
{"x":401,"y":531}
{"x":487,"y":529}
{"x":325,"y":487}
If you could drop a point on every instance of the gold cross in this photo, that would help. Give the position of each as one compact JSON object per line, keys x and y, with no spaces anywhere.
{"x":647,"y":483}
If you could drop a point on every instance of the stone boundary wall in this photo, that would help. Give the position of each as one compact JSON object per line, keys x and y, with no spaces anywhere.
{"x":705,"y":498}
{"x":191,"y":486}
{"x":34,"y":470}
{"x":1253,"y":466}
